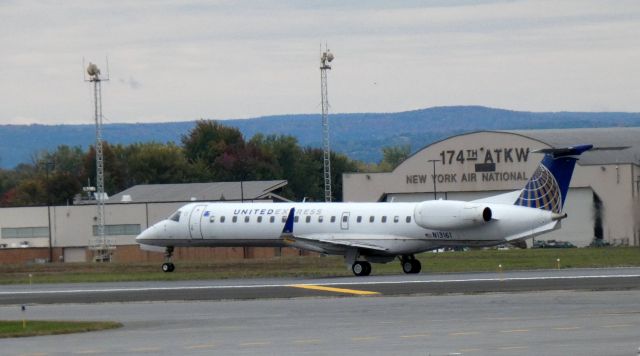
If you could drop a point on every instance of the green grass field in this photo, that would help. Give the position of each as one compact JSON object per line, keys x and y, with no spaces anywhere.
{"x":16,"y":328}
{"x":317,"y":266}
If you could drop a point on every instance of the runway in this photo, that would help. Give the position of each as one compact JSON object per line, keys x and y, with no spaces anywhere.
{"x":560,"y":312}
{"x":464,"y":283}
{"x":541,"y":323}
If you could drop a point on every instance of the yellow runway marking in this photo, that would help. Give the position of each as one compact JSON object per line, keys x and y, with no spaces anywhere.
{"x":617,"y":326}
{"x":332,"y":289}
{"x":465,"y":333}
{"x":568,"y":328}
{"x":414,"y":336}
{"x":200,"y":347}
{"x":515,"y":331}
{"x":364,"y":338}
{"x":513,"y":347}
{"x":256,"y":343}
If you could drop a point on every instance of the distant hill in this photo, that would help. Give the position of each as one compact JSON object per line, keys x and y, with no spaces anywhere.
{"x":359,"y":136}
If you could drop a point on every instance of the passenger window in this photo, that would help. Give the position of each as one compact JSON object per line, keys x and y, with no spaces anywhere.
{"x":234,"y":219}
{"x":259,"y":219}
{"x":345,"y":218}
{"x":284,"y":219}
{"x":396,"y":219}
{"x":384,"y":219}
{"x":333,"y":219}
{"x":408,"y":219}
{"x":272,"y":219}
{"x":212,"y":219}
{"x":222,"y":219}
{"x":372,"y":219}
{"x":359,"y":219}
{"x":308,"y":219}
{"x":176,"y":216}
{"x":246,"y":219}
{"x":320,"y":218}
{"x":296,"y":219}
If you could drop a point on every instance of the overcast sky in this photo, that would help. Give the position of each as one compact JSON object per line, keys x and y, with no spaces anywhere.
{"x":179,"y":60}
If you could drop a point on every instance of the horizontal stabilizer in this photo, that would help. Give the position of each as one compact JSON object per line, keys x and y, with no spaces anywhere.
{"x":565,"y":151}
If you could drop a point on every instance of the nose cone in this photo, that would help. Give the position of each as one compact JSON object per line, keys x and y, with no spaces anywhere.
{"x":147,"y":235}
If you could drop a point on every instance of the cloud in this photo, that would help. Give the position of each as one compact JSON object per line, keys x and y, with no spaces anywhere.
{"x":230,"y":59}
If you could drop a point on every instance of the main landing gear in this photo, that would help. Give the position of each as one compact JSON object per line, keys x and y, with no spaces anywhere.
{"x":168,"y":266}
{"x":361,"y":268}
{"x":410,"y":264}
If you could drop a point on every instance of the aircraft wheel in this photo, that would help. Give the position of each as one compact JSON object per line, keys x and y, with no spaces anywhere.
{"x":361,"y":268}
{"x":411,"y":266}
{"x":417,"y":266}
{"x":168,"y":267}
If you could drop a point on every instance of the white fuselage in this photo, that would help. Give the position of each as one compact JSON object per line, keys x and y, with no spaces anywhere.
{"x":391,"y":227}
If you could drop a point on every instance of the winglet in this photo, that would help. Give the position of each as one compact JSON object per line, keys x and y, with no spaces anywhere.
{"x":288,"y":225}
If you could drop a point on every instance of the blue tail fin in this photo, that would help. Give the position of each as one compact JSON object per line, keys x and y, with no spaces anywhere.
{"x":548,"y":186}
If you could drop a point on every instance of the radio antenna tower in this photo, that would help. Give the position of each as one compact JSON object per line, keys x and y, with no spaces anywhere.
{"x":100,"y":246}
{"x":325,"y":59}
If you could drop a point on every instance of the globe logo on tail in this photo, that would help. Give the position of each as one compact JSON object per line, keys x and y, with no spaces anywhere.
{"x":542,"y":192}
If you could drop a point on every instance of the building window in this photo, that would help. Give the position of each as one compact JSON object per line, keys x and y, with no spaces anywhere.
{"x":222,"y":219}
{"x":372,"y":219}
{"x":118,"y":230}
{"x":24,"y":232}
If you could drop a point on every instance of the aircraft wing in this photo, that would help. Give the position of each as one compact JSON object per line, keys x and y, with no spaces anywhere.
{"x":354,"y":241}
{"x":323,"y":242}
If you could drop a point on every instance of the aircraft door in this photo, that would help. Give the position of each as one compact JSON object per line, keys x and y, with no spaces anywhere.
{"x":344,"y":220}
{"x":195,"y":221}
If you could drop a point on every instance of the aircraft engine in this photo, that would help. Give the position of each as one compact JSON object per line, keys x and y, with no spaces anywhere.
{"x":450,"y":214}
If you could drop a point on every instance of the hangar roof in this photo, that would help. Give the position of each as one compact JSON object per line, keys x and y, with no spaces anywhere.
{"x":624,"y":142}
{"x":155,"y":193}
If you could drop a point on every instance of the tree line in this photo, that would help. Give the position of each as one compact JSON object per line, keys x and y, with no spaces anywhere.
{"x":210,"y":152}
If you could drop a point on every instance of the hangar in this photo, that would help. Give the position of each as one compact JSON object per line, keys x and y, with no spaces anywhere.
{"x":604,"y":197}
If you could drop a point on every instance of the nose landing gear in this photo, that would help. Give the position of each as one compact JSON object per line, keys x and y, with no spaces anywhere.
{"x":168,"y":266}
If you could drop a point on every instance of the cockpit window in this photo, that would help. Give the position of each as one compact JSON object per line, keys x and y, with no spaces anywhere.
{"x":176,"y":216}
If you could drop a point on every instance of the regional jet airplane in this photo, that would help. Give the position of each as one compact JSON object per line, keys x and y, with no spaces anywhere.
{"x":376,"y":232}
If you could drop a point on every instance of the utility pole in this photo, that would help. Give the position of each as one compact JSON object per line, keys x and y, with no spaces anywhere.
{"x":325,"y":59}
{"x":100,"y":246}
{"x":435,"y":197}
